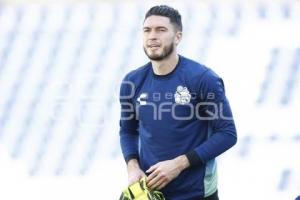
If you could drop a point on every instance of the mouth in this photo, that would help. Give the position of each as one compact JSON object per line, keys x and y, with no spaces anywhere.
{"x":153,"y":46}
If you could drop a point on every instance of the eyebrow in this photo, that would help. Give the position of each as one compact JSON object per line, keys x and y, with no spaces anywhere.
{"x":157,"y":27}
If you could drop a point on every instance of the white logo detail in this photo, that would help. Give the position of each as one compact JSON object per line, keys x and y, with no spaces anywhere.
{"x":142,"y":99}
{"x":182,"y":95}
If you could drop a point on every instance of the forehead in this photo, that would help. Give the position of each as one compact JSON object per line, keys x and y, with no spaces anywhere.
{"x":157,"y":21}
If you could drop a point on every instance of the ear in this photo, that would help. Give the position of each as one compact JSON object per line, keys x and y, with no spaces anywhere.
{"x":178,"y":36}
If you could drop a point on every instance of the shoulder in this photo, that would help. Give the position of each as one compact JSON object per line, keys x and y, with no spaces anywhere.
{"x":193,"y":68}
{"x":133,"y":79}
{"x":202,"y":77}
{"x":137,"y":74}
{"x":198,"y":71}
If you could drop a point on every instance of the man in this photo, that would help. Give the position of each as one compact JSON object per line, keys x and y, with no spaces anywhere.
{"x":175,"y":117}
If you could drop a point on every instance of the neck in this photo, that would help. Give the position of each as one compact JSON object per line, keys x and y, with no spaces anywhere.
{"x":165,"y":66}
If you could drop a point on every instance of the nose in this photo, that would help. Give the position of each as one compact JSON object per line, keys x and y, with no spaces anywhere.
{"x":152,"y":35}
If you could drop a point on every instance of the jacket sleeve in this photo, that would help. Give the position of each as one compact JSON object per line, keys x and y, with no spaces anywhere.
{"x":128,"y":123}
{"x":221,"y":128}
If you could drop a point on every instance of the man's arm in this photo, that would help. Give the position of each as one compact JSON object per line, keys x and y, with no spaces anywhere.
{"x":134,"y":171}
{"x":129,"y":132}
{"x":222,"y":132}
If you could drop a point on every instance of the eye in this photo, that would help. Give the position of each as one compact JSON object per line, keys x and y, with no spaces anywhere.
{"x":146,"y":30}
{"x":162,"y":30}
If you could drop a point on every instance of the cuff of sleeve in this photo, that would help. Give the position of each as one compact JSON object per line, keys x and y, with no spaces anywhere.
{"x":194,"y":158}
{"x":131,"y":156}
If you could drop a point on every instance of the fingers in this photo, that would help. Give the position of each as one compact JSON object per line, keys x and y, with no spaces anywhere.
{"x":157,"y":183}
{"x":153,"y":181}
{"x":152,"y":168}
{"x":157,"y":180}
{"x":152,"y":175}
{"x":162,"y":185}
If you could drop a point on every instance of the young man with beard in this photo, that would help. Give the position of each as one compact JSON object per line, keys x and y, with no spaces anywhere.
{"x":175,"y":117}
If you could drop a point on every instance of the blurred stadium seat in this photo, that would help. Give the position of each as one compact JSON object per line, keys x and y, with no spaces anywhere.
{"x":61,"y":65}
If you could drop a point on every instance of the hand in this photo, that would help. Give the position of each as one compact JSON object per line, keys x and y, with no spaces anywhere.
{"x":164,"y":172}
{"x":134,"y":172}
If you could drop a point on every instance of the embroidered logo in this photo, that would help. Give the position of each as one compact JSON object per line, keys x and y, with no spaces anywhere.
{"x":182,"y":95}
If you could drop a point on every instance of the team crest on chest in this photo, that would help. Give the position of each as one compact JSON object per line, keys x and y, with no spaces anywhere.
{"x":182,"y":95}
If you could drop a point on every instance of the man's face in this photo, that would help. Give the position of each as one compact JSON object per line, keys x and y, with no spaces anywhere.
{"x":160,"y":37}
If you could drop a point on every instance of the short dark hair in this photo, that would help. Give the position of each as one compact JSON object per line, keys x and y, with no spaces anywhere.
{"x":166,"y":11}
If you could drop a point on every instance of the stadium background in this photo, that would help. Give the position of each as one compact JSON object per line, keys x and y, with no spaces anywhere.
{"x":61,"y":63}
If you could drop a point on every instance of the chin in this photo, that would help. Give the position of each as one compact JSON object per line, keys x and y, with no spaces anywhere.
{"x":155,"y":54}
